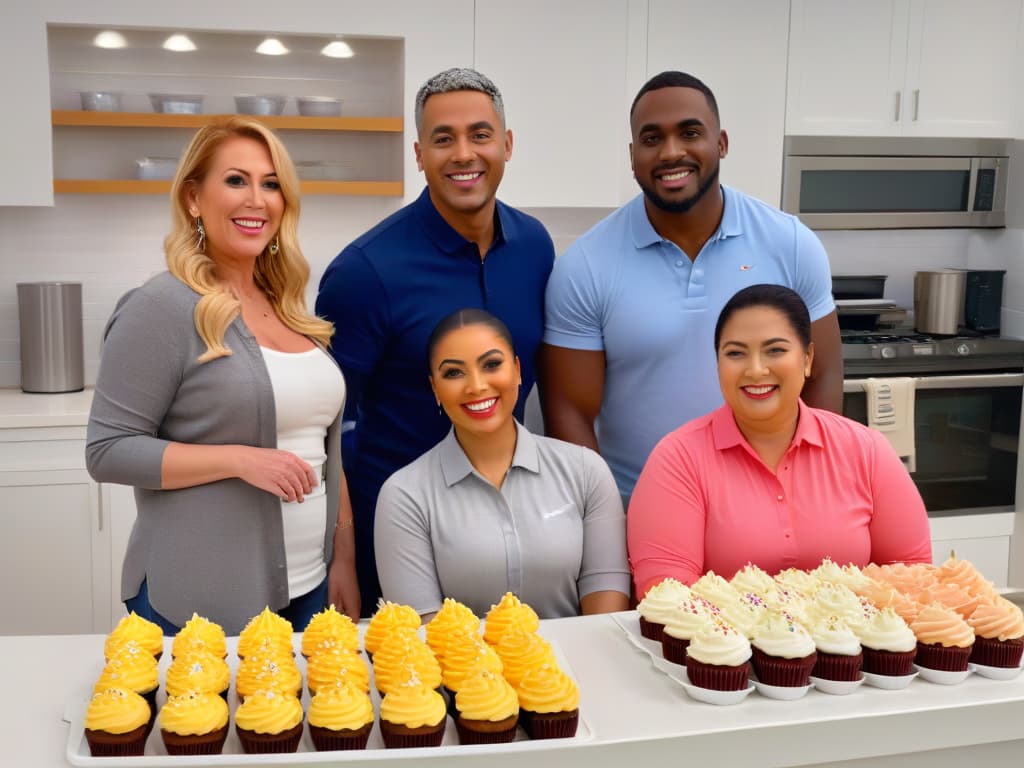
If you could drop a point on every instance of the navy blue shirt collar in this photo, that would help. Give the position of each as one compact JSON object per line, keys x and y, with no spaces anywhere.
{"x":445,"y":237}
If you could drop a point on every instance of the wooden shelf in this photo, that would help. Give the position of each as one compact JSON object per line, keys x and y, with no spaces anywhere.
{"x":137,"y":187}
{"x":83,"y":118}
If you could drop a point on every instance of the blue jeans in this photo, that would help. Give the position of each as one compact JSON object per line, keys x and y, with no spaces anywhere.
{"x":299,"y":611}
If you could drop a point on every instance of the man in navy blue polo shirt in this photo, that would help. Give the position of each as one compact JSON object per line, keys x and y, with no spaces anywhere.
{"x":455,"y":246}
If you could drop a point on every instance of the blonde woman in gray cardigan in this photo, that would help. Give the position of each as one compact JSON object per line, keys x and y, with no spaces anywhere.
{"x":217,"y":401}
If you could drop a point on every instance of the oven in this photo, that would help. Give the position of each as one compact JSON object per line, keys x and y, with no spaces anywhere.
{"x":967,"y":413}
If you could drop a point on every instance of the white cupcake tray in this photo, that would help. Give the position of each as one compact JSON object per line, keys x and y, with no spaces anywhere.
{"x":156,"y":755}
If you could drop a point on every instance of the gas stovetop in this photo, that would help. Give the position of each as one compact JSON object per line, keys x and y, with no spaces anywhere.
{"x":908,"y":352}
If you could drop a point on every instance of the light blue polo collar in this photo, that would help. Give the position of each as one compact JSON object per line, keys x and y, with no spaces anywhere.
{"x":644,"y":234}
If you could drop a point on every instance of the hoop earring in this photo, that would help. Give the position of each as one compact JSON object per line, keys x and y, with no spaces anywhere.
{"x":275,"y":246}
{"x":201,"y":235}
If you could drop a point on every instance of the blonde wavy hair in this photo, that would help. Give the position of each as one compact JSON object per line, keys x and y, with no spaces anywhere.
{"x":282,"y":277}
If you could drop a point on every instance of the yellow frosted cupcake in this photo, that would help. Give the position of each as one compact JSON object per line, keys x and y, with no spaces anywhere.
{"x":467,"y":653}
{"x":265,"y":632}
{"x":454,"y":617}
{"x":133,"y":669}
{"x":401,"y":656}
{"x":487,"y":709}
{"x":389,"y":616}
{"x":333,"y":665}
{"x":329,"y":626}
{"x":412,"y":715}
{"x":269,"y":721}
{"x":143,"y":632}
{"x":548,"y":703}
{"x":199,"y":671}
{"x":520,"y":651}
{"x":116,"y":723}
{"x":509,"y":612}
{"x":268,"y":672}
{"x":340,"y":717}
{"x":200,"y":634}
{"x":194,"y":724}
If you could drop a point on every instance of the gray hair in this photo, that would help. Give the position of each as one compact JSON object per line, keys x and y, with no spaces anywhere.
{"x":458,"y":79}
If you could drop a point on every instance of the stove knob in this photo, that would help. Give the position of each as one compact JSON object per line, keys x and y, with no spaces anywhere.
{"x":963,"y":349}
{"x":888,"y":352}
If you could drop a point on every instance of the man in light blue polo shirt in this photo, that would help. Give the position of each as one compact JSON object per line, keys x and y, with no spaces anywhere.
{"x":630,"y":309}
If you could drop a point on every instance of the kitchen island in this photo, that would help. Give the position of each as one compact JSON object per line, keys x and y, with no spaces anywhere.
{"x":631,"y":712}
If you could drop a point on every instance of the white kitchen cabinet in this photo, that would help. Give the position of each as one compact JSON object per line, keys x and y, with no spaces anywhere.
{"x":983,"y":539}
{"x":902,"y":67}
{"x":118,"y":503}
{"x":738,"y":49}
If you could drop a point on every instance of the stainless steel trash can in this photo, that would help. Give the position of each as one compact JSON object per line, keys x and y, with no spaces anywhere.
{"x":50,"y":319}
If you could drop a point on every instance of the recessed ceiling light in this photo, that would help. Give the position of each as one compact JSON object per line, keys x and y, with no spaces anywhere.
{"x":338,"y":49}
{"x":271,"y":47}
{"x":108,"y":38}
{"x":179,"y":43}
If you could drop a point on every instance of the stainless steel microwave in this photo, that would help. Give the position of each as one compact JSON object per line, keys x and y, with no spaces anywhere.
{"x":901,"y":182}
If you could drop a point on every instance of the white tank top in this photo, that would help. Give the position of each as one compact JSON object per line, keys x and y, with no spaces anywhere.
{"x":309,"y":391}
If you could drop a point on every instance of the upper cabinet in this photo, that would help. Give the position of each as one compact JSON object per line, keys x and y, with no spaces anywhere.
{"x":902,"y":67}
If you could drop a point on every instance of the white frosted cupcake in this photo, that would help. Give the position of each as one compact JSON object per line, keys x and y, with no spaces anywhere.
{"x":750,"y":578}
{"x":838,"y":648}
{"x":783,"y":651}
{"x":715,"y":589}
{"x":888,"y":644}
{"x":718,"y":658}
{"x":688,"y":618}
{"x":658,"y":604}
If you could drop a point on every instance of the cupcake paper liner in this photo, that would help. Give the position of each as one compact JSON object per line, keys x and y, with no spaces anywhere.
{"x":203,"y":744}
{"x":788,"y":673}
{"x":486,"y":731}
{"x":651,"y":630}
{"x":992,"y":652}
{"x":549,"y":725}
{"x":103,"y":744}
{"x":944,"y":658}
{"x":889,"y":663}
{"x":327,"y":740}
{"x":838,"y":666}
{"x":401,"y":737}
{"x":254,"y":743}
{"x":674,"y":648}
{"x":717,"y":677}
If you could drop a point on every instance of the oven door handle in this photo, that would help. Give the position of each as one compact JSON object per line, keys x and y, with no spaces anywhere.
{"x":949,"y":382}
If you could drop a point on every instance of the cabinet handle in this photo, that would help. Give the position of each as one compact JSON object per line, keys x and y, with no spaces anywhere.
{"x":917,"y":99}
{"x":896,"y":116}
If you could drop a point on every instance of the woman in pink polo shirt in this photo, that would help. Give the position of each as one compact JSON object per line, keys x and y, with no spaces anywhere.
{"x":765,"y":478}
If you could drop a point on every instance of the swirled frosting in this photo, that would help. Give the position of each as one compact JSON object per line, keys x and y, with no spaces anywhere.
{"x":453,"y":617}
{"x":833,"y":635}
{"x":745,"y":611}
{"x":116,"y":710}
{"x":962,"y":573}
{"x":689,"y":617}
{"x":906,"y":608}
{"x":132,"y":668}
{"x":325,"y":667}
{"x":778,"y":635}
{"x":788,"y":600}
{"x":509,"y":612}
{"x":878,"y":592}
{"x":715,"y":589}
{"x":1001,"y":620}
{"x":340,"y":707}
{"x":521,"y":651}
{"x":401,"y":656}
{"x":908,"y":578}
{"x":197,"y":671}
{"x":269,"y":712}
{"x":329,"y":625}
{"x":467,"y":653}
{"x":950,"y":595}
{"x":268,"y":672}
{"x":661,"y":599}
{"x":389,"y":616}
{"x":886,"y":631}
{"x":828,"y":572}
{"x":145,"y":633}
{"x":835,"y":600}
{"x":200,"y":634}
{"x":750,"y":578}
{"x":548,"y":689}
{"x":944,"y":626}
{"x":413,"y":705}
{"x":854,"y":578}
{"x":801,"y":581}
{"x":265,"y":631}
{"x":719,"y":643}
{"x":194,"y":713}
{"x":486,"y":696}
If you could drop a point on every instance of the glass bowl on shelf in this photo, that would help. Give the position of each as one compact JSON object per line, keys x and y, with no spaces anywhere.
{"x":100,"y":101}
{"x":176,"y":103}
{"x":318,"y":106}
{"x":260,"y":105}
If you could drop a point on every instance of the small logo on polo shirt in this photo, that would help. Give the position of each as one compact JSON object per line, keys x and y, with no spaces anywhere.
{"x":746,"y":267}
{"x":558,"y":511}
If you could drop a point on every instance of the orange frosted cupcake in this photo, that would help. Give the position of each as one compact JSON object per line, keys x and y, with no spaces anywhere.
{"x":269,"y":722}
{"x":389,"y":616}
{"x":950,"y":595}
{"x":998,"y":634}
{"x":200,"y":634}
{"x":116,"y":723}
{"x":143,"y":632}
{"x":509,"y":612}
{"x":329,"y":625}
{"x":944,"y":639}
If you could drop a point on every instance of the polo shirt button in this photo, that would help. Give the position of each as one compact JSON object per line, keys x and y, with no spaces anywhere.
{"x":779,"y":497}
{"x":679,"y":262}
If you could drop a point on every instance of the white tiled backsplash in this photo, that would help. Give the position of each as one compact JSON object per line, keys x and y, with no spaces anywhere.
{"x":113,"y":244}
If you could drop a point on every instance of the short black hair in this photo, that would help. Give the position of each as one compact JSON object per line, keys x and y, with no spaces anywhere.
{"x":675,"y":79}
{"x":460,"y":318}
{"x":779,"y":297}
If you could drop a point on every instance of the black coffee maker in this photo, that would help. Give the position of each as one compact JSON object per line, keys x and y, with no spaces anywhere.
{"x":983,"y":300}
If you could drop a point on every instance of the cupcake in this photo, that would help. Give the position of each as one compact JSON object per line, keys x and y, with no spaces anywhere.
{"x":835,"y":600}
{"x":714,"y":589}
{"x":116,"y":723}
{"x":487,"y":709}
{"x":839,"y":652}
{"x":750,"y":578}
{"x":795,"y":579}
{"x":745,"y":612}
{"x":133,"y":669}
{"x":828,"y":572}
{"x":888,"y":644}
{"x":266,"y":632}
{"x":998,"y":634}
{"x":952,"y":596}
{"x":331,"y":665}
{"x":269,"y":721}
{"x":329,"y":625}
{"x":718,"y":657}
{"x":133,"y":627}
{"x":200,"y":634}
{"x":660,"y":599}
{"x":782,"y":652}
{"x":944,"y":639}
{"x":520,"y":651}
{"x":682,"y":624}
{"x":402,"y":656}
{"x":467,"y":653}
{"x":268,"y":672}
{"x":388,"y":617}
{"x":340,"y":717}
{"x":549,"y":703}
{"x":453,"y":617}
{"x":412,"y":715}
{"x":198,"y":671}
{"x":194,"y":724}
{"x":509,"y":612}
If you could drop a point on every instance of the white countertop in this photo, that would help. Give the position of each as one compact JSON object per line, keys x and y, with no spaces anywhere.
{"x":23,"y":410}
{"x":637,"y":716}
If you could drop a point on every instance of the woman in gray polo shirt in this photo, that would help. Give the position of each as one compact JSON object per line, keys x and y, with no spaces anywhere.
{"x":493,"y":508}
